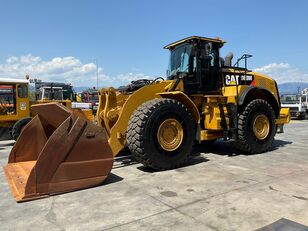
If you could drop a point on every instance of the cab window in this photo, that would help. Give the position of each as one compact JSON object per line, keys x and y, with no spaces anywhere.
{"x":7,"y":99}
{"x":22,"y":91}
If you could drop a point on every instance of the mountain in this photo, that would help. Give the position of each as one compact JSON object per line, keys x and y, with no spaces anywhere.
{"x":80,"y":89}
{"x":292,"y":87}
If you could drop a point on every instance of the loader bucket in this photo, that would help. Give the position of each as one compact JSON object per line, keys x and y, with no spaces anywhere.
{"x":57,"y":152}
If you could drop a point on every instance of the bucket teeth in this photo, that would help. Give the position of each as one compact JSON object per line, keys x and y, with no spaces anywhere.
{"x":58,"y":151}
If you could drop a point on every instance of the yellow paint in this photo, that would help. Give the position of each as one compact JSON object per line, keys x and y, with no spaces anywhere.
{"x":261,"y":127}
{"x":284,"y":116}
{"x":22,"y":107}
{"x":210,"y":135}
{"x":217,"y":40}
{"x":213,"y":116}
{"x":84,"y":113}
{"x":118,"y":130}
{"x":170,"y":134}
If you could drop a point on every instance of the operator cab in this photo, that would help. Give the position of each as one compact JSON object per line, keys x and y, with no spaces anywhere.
{"x":50,"y":93}
{"x":196,"y":61}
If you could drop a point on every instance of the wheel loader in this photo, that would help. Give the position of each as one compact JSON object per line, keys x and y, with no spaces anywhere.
{"x":15,"y":103}
{"x":204,"y":98}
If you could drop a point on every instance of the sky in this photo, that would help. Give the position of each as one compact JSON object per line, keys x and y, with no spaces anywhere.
{"x":64,"y":40}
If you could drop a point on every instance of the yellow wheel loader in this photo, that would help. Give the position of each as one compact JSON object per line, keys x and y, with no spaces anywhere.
{"x":204,"y":98}
{"x":15,"y":104}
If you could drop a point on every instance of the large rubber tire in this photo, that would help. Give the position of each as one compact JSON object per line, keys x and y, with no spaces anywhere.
{"x":18,"y":126}
{"x":142,"y":134}
{"x":247,"y":140}
{"x":5,"y":133}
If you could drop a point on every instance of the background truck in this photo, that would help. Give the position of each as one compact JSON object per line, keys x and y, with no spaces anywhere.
{"x":89,"y":96}
{"x":297,"y":103}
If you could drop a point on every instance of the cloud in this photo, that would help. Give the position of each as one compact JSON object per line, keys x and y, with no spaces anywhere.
{"x":283,"y":72}
{"x":62,"y":69}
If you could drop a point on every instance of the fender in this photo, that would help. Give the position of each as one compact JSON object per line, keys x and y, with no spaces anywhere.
{"x":271,"y":98}
{"x":184,"y":99}
{"x":245,"y":93}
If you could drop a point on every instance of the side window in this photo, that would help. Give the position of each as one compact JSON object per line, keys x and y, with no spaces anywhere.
{"x":213,"y":52}
{"x":209,"y":54}
{"x":22,"y":91}
{"x":7,"y":99}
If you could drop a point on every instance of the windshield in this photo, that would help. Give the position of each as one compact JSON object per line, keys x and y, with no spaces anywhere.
{"x":290,"y":99}
{"x":57,"y":94}
{"x":179,"y":60}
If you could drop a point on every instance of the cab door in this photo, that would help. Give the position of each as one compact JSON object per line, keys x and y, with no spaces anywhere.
{"x":204,"y":76}
{"x":209,"y":70}
{"x":22,"y":100}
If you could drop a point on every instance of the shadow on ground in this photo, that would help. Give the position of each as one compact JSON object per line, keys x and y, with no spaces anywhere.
{"x":279,"y":144}
{"x":194,"y":160}
{"x":112,"y":178}
{"x":223,"y":148}
{"x":219,"y":147}
{"x":124,"y":159}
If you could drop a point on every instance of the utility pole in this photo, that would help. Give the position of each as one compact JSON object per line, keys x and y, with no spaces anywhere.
{"x":96,"y":64}
{"x":96,"y":75}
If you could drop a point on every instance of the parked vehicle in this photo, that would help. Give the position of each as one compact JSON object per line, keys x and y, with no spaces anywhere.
{"x":297,"y":104}
{"x":15,"y":110}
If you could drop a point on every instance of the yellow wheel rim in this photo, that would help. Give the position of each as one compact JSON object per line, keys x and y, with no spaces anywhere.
{"x":261,"y":127}
{"x":170,"y":134}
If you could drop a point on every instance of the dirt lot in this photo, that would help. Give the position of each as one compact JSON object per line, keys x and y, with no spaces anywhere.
{"x":218,"y":190}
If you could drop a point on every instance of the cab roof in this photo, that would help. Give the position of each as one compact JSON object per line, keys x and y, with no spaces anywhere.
{"x":8,"y":80}
{"x":215,"y":40}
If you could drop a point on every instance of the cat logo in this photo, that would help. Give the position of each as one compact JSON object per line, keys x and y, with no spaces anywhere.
{"x":232,"y":79}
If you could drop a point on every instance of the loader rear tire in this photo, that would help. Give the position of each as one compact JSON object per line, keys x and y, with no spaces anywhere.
{"x":252,"y":136}
{"x":18,"y":126}
{"x":145,"y":129}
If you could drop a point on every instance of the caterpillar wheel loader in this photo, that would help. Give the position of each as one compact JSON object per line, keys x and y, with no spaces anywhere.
{"x":204,"y":98}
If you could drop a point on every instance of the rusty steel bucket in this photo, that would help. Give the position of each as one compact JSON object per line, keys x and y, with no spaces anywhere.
{"x":58,"y":151}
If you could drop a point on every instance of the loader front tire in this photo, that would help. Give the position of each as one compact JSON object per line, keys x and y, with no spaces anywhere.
{"x":161,"y":134}
{"x":256,"y":127}
{"x":18,"y":126}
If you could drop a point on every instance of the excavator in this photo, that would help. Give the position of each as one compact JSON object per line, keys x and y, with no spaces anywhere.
{"x":203,"y":98}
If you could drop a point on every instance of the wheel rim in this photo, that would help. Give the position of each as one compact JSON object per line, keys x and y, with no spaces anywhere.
{"x":170,"y":134}
{"x":261,"y":127}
